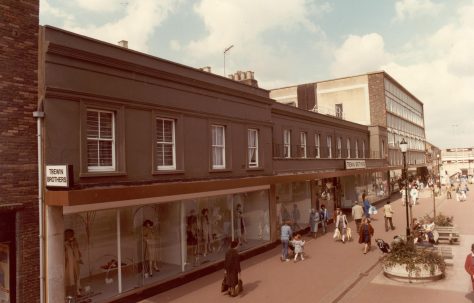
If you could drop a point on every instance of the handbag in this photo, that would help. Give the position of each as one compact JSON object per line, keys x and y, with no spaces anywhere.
{"x":224,"y":286}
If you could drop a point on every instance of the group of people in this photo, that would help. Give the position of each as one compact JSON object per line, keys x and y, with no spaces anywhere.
{"x":288,"y":240}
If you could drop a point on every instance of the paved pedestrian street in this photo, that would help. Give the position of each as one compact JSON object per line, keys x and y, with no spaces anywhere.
{"x":336,"y":272}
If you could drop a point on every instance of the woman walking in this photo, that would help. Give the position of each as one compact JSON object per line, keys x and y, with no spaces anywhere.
{"x":365,"y":234}
{"x":341,"y":224}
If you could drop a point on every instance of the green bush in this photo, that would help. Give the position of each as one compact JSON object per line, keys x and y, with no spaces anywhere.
{"x":440,"y":220}
{"x":404,"y":253}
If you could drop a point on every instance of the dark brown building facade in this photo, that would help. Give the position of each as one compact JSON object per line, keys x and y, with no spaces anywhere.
{"x":19,"y":254}
{"x":171,"y":163}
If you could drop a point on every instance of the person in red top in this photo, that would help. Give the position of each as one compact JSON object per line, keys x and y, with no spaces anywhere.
{"x":469,"y":265}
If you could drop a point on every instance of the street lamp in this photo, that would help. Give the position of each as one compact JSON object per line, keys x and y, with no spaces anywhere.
{"x":225,"y":52}
{"x":403,"y":148}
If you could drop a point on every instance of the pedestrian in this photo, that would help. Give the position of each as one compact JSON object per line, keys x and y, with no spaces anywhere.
{"x":448,"y":192}
{"x":285,"y":237}
{"x":469,"y":265}
{"x":341,"y":224}
{"x":357,"y":214}
{"x":313,"y":222}
{"x":366,"y":204}
{"x":298,"y":245}
{"x":414,"y":195}
{"x":232,"y":269}
{"x":365,"y":234}
{"x":324,"y":217}
{"x":387,"y":214}
{"x":404,"y":194}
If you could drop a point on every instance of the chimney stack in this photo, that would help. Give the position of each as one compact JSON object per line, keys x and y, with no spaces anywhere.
{"x":206,"y":69}
{"x":123,"y":43}
{"x":244,"y":77}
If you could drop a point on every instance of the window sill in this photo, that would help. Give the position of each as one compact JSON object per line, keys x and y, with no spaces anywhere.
{"x":255,"y":169}
{"x":102,"y":174}
{"x":221,"y":170}
{"x":168,"y":172}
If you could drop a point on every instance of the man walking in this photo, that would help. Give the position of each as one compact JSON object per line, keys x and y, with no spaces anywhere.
{"x":387,"y":214}
{"x":285,"y":237}
{"x":324,"y":217}
{"x":357,"y":214}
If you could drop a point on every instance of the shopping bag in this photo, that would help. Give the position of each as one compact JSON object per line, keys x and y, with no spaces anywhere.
{"x":372,"y":210}
{"x":337,"y":234}
{"x":224,"y":286}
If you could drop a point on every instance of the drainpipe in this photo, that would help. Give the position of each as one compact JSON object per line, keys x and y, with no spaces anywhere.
{"x":39,"y":115}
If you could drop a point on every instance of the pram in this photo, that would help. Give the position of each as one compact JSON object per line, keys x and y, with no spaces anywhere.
{"x":383,"y":246}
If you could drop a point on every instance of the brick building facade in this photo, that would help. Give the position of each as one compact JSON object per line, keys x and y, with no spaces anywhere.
{"x":18,"y":151}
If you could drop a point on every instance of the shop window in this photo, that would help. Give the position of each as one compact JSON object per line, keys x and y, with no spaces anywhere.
{"x":165,"y":144}
{"x":218,"y":146}
{"x":100,"y":140}
{"x":252,"y":142}
{"x":293,"y":204}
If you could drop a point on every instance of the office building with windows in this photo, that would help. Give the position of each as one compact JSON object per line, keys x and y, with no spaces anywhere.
{"x":373,"y":99}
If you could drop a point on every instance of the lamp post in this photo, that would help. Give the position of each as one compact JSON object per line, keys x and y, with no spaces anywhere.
{"x":225,"y":52}
{"x":403,"y":148}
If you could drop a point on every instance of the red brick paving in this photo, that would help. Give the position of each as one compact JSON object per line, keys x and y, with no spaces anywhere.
{"x":334,"y":272}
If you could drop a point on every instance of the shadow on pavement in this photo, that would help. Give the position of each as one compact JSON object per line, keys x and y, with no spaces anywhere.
{"x":249,"y":287}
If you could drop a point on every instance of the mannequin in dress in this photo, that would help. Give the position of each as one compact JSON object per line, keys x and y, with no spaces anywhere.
{"x":72,"y":261}
{"x":192,"y":232}
{"x":206,"y":231}
{"x":150,"y":245}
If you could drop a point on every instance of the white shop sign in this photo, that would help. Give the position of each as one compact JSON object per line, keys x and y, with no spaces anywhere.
{"x":58,"y":176}
{"x":355,"y":164}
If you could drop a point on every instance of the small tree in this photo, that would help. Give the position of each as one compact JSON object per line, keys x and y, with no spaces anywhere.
{"x":414,"y":259}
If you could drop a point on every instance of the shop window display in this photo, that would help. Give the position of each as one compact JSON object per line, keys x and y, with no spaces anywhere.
{"x":113,"y":251}
{"x":294,"y":204}
{"x":211,"y":223}
{"x":91,"y":262}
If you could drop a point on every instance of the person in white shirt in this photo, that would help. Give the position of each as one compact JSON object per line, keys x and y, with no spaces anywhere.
{"x":387,"y":214}
{"x":414,"y":195}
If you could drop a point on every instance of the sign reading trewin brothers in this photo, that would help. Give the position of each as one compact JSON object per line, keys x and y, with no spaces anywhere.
{"x":355,"y":164}
{"x":58,"y":175}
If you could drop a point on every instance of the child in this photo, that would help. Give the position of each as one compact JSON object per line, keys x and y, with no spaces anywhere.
{"x":298,"y":243}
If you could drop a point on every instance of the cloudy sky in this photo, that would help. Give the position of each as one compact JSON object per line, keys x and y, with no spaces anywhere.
{"x":427,"y":45}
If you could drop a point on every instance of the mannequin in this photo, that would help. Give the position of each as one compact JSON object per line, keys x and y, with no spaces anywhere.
{"x":72,"y":261}
{"x":192,"y":231}
{"x":240,"y":226}
{"x":206,"y":231}
{"x":150,"y":245}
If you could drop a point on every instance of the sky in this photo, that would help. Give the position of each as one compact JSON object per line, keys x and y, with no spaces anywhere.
{"x":426,"y":45}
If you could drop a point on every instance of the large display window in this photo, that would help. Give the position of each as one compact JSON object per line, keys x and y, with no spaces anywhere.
{"x":108,"y":252}
{"x":293,"y":204}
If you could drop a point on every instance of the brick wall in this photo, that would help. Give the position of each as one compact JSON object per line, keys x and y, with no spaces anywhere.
{"x":18,"y":151}
{"x":378,"y":114}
